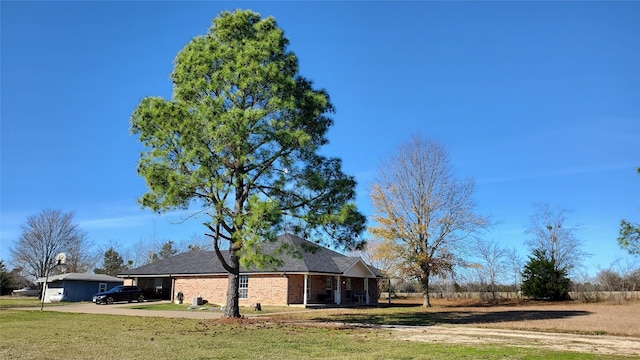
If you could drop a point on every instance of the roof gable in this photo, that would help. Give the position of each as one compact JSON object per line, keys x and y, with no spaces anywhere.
{"x":359,"y":269}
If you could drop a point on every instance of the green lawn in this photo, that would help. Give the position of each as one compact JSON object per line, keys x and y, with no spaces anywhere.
{"x":16,"y":301}
{"x":20,"y":302}
{"x":54,"y":335}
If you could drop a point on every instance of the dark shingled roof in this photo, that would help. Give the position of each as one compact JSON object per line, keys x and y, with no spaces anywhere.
{"x":310,"y":258}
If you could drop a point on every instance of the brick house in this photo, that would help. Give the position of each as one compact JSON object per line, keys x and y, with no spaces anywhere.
{"x":316,"y":275}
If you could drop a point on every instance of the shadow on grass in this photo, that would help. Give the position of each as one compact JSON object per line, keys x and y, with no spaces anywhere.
{"x":417,"y":318}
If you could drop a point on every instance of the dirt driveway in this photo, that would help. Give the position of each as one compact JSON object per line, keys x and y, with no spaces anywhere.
{"x":592,"y":344}
{"x":599,"y":328}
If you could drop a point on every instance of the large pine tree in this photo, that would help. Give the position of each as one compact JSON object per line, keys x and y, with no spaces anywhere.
{"x":240,"y":137}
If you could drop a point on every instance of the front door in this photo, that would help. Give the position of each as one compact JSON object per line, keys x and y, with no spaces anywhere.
{"x":329,"y":289}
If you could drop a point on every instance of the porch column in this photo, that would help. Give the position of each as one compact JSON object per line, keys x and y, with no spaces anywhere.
{"x":366,"y":290}
{"x":173,"y":289}
{"x":306,"y":284}
{"x":338,"y":293}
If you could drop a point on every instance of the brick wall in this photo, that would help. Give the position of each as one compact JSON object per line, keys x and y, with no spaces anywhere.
{"x":213,"y":289}
{"x":264,"y":289}
{"x":373,"y":291}
{"x":296,"y":289}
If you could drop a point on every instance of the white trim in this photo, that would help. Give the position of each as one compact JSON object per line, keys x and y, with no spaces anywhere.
{"x":240,"y":287}
{"x":359,"y":261}
{"x":366,"y":290}
{"x":306,"y":283}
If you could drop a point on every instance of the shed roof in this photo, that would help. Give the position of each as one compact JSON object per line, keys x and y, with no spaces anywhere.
{"x":301,"y":256}
{"x":81,"y":277}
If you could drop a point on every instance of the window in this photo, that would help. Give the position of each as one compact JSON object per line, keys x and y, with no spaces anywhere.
{"x":348,"y":283}
{"x":308,"y":289}
{"x":329,"y":282}
{"x":244,"y":287}
{"x":102,"y":287}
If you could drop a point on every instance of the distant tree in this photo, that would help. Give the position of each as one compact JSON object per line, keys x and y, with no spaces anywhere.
{"x":197,"y":243}
{"x":621,"y":275}
{"x":516,"y":263}
{"x":167,"y":250}
{"x":421,"y":207}
{"x":12,"y":280}
{"x":241,"y":137}
{"x":44,"y":236}
{"x":194,"y":247}
{"x":493,"y":262}
{"x":143,"y":252}
{"x":5,"y":279}
{"x":382,"y":255}
{"x":542,"y":279}
{"x":80,"y":257}
{"x":19,"y":279}
{"x":112,"y":263}
{"x":609,"y":280}
{"x":549,"y":232}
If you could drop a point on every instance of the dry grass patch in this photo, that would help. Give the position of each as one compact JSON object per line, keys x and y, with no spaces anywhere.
{"x":566,"y":317}
{"x":572,"y":317}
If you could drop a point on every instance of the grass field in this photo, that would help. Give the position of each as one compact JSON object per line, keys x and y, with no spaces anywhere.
{"x":52,"y":335}
{"x":21,"y":302}
{"x":292,"y":335}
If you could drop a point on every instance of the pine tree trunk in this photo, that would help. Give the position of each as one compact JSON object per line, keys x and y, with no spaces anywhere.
{"x":233,"y":288}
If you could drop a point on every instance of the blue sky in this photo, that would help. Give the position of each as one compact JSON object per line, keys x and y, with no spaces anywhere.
{"x":537,"y":101}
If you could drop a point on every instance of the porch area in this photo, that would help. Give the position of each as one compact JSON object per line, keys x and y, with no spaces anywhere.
{"x":321,"y":290}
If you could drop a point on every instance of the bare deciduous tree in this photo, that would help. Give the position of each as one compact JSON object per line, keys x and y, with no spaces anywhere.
{"x":44,"y":236}
{"x":549,"y":231}
{"x":80,"y":258}
{"x":516,"y":263}
{"x":196,"y":243}
{"x":493,"y":261}
{"x":421,"y":207}
{"x":143,"y":252}
{"x":381,"y":254}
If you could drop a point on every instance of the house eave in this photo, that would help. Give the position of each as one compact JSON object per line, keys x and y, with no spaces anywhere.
{"x":129,"y":276}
